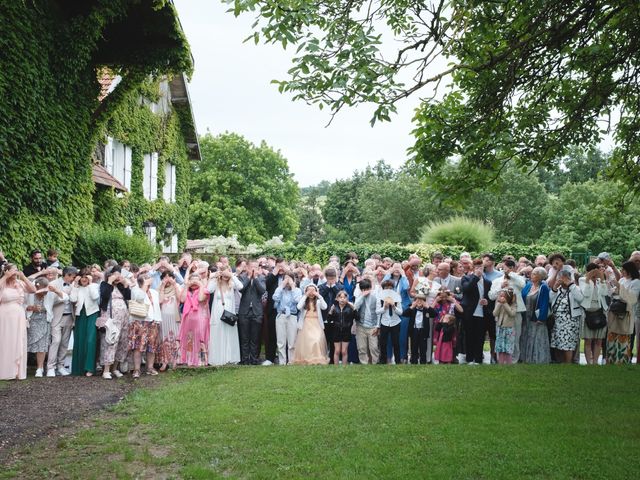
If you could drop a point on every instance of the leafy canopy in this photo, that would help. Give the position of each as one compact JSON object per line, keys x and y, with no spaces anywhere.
{"x":524,"y":80}
{"x":242,"y":189}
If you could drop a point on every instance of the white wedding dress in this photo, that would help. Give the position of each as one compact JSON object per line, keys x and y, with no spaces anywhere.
{"x":224,"y":345}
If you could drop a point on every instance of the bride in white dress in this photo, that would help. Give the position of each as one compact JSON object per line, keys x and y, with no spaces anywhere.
{"x":224,"y":346}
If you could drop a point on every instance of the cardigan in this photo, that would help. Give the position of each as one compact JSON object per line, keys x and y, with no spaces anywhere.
{"x":542,"y":303}
{"x":320,"y":306}
{"x":86,"y":297}
{"x":505,"y":315}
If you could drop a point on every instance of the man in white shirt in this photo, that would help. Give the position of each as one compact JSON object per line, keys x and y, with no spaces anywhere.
{"x":61,"y":323}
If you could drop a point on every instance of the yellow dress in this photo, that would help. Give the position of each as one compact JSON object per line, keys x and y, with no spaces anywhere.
{"x":311,"y":344}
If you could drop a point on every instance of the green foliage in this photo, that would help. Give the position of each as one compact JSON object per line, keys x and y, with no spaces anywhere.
{"x":50,"y":117}
{"x":242,"y":189}
{"x":322,"y":252}
{"x":524,"y":80}
{"x":134,"y":124}
{"x":514,"y":206}
{"x":95,"y":245}
{"x":471,"y":234}
{"x":311,"y":223}
{"x":593,"y":216}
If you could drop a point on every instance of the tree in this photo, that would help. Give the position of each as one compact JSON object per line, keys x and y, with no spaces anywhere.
{"x":340,"y":209}
{"x":514,"y":207}
{"x":393,"y":210}
{"x":593,"y":216}
{"x":241,"y":189}
{"x":525,"y":80}
{"x":311,"y":221}
{"x":578,"y":166}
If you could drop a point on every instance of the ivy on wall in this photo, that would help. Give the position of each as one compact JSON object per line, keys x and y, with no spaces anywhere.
{"x":51,"y":120}
{"x":135,"y":125}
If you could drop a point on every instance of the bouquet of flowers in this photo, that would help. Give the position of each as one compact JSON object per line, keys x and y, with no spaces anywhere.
{"x":423,"y":287}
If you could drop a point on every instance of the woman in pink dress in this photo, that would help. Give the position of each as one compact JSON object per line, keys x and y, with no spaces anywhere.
{"x":194,"y":328}
{"x":13,"y":323}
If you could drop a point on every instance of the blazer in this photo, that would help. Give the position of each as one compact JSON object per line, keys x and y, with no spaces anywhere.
{"x":329,"y":294}
{"x":427,"y":313}
{"x":541,"y":312}
{"x":471,"y":295}
{"x":455,"y":285}
{"x":86,"y":297}
{"x":271,"y":284}
{"x":56,"y":303}
{"x":252,"y":291}
{"x":320,"y":306}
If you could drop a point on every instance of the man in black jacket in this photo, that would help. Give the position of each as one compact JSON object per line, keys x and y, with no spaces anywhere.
{"x":250,"y":313}
{"x":329,"y":291}
{"x":273,"y":281}
{"x":477,"y":307}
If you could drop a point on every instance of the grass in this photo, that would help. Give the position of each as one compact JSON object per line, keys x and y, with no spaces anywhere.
{"x":361,"y":422}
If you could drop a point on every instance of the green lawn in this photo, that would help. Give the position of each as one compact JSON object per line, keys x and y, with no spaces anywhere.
{"x":363,"y":422}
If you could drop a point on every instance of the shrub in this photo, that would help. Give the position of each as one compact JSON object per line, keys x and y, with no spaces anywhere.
{"x":96,"y":245}
{"x":473,"y":235}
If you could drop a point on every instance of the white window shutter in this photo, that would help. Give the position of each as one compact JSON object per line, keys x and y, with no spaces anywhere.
{"x":108,"y":155}
{"x":174,"y":241}
{"x":127,"y":168}
{"x":146,"y":176}
{"x":154,"y":176}
{"x":166,"y":190}
{"x":173,"y":188}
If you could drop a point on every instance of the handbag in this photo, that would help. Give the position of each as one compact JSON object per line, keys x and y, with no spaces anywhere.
{"x":101,"y":321}
{"x":228,"y":317}
{"x":138,"y":309}
{"x":618,"y":306}
{"x":595,"y":320}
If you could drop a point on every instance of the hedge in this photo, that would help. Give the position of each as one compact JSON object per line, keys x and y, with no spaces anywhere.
{"x":96,"y":245}
{"x":321,"y":253}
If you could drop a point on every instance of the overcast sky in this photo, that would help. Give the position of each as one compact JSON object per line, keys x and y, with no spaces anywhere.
{"x":231,"y":91}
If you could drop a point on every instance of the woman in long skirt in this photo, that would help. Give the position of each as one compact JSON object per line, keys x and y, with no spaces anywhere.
{"x":85,"y":341}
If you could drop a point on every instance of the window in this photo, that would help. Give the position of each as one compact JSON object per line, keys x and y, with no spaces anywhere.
{"x":117,"y":161}
{"x":150,"y":176}
{"x":169,"y":190}
{"x":172,"y":247}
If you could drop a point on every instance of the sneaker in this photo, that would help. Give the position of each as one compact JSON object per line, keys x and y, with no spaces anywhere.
{"x":117,"y":374}
{"x":267,"y":362}
{"x":152,"y":372}
{"x":472,"y":363}
{"x":39,"y":373}
{"x":50,"y":373}
{"x":136,"y":374}
{"x":63,"y":372}
{"x":106,"y":375}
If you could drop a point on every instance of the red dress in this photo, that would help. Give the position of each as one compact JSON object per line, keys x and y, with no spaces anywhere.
{"x":194,"y":330}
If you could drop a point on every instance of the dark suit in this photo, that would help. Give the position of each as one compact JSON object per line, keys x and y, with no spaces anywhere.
{"x":419,"y":336}
{"x":474,"y":326}
{"x":270,"y":349}
{"x":329,"y":294}
{"x":250,"y":318}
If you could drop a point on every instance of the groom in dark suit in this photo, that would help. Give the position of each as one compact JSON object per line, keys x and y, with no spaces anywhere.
{"x":250,"y":313}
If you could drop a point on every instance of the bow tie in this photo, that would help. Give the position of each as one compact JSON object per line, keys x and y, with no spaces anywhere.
{"x":65,"y":284}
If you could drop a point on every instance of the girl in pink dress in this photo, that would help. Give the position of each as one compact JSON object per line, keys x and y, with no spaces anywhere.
{"x":194,"y":328}
{"x":13,"y":323}
{"x":445,"y":335}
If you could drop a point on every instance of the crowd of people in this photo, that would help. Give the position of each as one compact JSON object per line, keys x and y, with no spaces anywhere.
{"x":122,"y":318}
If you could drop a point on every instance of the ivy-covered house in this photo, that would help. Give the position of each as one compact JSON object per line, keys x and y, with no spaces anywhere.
{"x":141,"y":163}
{"x":54,"y":112}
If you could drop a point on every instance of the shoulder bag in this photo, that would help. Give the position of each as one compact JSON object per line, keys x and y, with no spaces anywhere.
{"x":228,"y":317}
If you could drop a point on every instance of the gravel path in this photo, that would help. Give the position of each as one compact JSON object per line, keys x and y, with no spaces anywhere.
{"x":33,"y":409}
